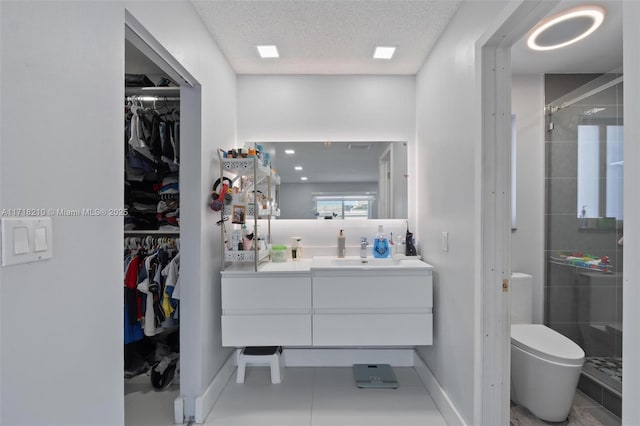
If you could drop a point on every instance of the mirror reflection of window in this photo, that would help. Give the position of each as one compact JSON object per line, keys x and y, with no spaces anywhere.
{"x":600,"y":171}
{"x":356,"y":206}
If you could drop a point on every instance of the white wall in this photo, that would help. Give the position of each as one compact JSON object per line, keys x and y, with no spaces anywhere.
{"x":323,"y":107}
{"x":320,"y":237}
{"x":61,"y":340}
{"x":62,"y":323}
{"x":527,"y":242}
{"x":447,"y":143}
{"x":329,"y":107}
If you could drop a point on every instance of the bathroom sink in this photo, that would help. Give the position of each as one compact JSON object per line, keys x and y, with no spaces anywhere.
{"x":358,"y":263}
{"x":370,"y":261}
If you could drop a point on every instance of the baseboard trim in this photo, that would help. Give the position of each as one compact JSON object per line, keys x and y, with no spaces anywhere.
{"x":205,"y":402}
{"x":346,"y":357}
{"x":439,"y":396}
{"x":178,"y":410}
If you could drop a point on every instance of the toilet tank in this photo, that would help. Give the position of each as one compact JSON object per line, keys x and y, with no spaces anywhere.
{"x":521,"y":298}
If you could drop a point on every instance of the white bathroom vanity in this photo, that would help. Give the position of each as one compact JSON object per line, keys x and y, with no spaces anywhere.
{"x":326,"y":301}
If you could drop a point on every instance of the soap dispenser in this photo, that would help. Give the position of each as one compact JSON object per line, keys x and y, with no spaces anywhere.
{"x":380,"y":244}
{"x":341,"y":243}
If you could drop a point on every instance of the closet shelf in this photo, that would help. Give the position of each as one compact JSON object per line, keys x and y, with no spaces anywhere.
{"x":150,"y":232}
{"x":152,"y":91}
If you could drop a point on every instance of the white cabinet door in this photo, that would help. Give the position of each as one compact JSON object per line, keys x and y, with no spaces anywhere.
{"x":372,"y":329}
{"x":266,"y":330}
{"x":359,"y":292}
{"x":266,"y":294}
{"x":266,"y":310}
{"x":385,"y":309}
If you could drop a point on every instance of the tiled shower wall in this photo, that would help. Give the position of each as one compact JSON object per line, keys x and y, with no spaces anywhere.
{"x":583,"y":305}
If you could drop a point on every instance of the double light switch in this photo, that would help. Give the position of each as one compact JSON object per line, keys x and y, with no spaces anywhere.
{"x":26,"y":240}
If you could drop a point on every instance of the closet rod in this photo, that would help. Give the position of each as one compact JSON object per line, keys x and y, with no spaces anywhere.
{"x":152,"y":98}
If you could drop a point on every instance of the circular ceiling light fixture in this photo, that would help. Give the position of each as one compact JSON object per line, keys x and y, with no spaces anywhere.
{"x":565,"y":28}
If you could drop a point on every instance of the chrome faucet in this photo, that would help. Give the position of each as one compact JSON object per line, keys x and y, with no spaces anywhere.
{"x":363,"y":247}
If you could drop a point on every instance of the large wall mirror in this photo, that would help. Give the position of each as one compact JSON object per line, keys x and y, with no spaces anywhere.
{"x":341,"y":180}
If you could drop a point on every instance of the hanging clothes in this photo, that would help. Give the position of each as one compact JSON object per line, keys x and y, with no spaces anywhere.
{"x":150,"y":278}
{"x":151,"y":158}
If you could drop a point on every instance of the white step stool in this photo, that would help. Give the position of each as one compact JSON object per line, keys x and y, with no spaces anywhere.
{"x":269,"y":355}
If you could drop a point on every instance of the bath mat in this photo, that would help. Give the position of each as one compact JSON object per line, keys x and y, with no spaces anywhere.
{"x":578,"y":416}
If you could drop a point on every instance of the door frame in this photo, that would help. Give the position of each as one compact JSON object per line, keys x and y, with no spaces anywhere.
{"x":190,"y":136}
{"x":493,"y":203}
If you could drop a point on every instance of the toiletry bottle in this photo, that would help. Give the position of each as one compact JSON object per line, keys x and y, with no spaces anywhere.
{"x":380,"y":244}
{"x":392,"y":245}
{"x":341,"y":243}
{"x":296,"y":248}
{"x":400,"y":249}
{"x":410,"y":248}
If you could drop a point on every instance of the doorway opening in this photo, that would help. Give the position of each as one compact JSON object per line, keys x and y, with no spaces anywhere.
{"x":161,"y":106}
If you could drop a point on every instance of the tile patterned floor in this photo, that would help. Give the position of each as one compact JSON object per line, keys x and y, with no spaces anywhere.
{"x":610,"y":366}
{"x":323,"y":396}
{"x":320,"y":396}
{"x":585,"y":412}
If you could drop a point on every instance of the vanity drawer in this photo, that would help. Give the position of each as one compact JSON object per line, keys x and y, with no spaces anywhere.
{"x":266,"y":330}
{"x":243,"y":295}
{"x":372,"y":292}
{"x":372,"y":329}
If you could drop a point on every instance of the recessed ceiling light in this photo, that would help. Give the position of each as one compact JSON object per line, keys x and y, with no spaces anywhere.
{"x":298,"y":168}
{"x":289,"y":151}
{"x":565,"y":28}
{"x":384,"y":52}
{"x":303,"y":178}
{"x":268,"y":51}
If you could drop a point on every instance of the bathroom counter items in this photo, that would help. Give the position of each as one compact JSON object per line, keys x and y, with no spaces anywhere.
{"x":313,"y":302}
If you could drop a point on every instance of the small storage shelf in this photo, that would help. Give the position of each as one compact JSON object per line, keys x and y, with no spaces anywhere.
{"x":257,"y":183}
{"x":251,"y":211}
{"x":245,"y":255}
{"x":582,"y":265}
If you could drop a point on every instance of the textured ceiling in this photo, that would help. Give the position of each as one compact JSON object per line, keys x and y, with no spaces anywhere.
{"x":325,"y":36}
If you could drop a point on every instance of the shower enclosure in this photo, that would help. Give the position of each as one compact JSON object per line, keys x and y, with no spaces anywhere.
{"x":584,"y":224}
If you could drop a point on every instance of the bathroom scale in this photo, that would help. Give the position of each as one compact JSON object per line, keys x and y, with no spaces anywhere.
{"x":374,"y":376}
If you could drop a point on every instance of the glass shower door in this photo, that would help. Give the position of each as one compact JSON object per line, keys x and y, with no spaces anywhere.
{"x":584,"y":221}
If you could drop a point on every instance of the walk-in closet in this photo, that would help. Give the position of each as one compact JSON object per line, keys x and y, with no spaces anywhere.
{"x":151,"y":236}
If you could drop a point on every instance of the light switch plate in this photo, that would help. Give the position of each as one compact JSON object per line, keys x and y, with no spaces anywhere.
{"x":26,"y":239}
{"x":445,"y":241}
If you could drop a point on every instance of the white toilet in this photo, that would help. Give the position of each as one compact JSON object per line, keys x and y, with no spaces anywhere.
{"x":545,"y":365}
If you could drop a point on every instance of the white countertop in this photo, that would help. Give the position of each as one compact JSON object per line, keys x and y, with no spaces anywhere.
{"x":290,"y":266}
{"x":331,"y":263}
{"x":369,"y":263}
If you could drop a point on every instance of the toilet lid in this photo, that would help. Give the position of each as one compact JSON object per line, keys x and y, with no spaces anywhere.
{"x":546,"y":343}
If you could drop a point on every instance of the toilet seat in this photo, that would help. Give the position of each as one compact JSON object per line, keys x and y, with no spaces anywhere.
{"x":546,"y":343}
